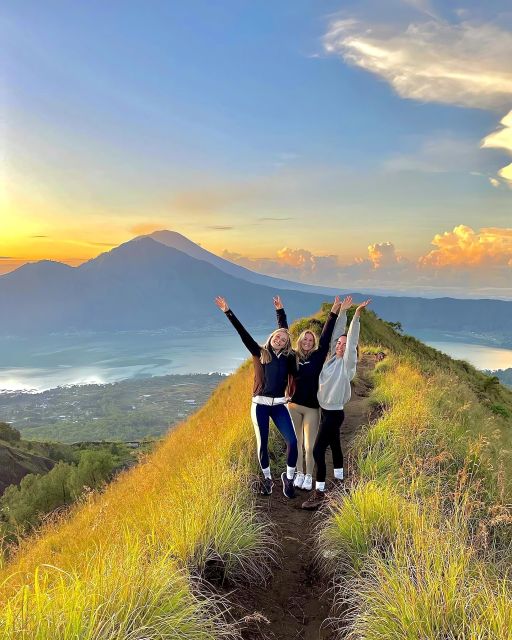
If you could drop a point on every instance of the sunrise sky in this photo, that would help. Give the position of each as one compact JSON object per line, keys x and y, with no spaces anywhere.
{"x":365,"y":142}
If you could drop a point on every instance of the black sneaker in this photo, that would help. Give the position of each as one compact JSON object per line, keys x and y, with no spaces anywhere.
{"x":266,"y":486}
{"x":288,"y":489}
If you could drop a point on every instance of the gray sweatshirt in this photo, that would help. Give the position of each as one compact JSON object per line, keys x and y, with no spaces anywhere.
{"x":334,"y":384}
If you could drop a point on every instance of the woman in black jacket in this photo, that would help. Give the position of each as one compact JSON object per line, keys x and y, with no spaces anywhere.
{"x":274,"y":364}
{"x":311,"y":352}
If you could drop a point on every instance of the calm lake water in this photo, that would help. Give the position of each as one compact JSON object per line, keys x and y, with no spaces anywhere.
{"x":480,"y":356}
{"x":31,"y":364}
{"x":52,"y":361}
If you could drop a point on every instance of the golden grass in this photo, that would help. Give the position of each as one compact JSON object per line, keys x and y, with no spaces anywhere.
{"x":121,"y":563}
{"x":419,"y":547}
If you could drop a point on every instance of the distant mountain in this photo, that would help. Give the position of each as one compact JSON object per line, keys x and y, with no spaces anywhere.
{"x":142,"y":284}
{"x":148,"y":284}
{"x":181,"y":243}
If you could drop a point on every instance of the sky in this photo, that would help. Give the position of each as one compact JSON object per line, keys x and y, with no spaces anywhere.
{"x":362,"y":143}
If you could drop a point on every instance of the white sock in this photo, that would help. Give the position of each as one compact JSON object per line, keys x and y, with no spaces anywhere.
{"x":266,"y":472}
{"x":290,"y":472}
{"x":320,"y":486}
{"x":338,"y":474}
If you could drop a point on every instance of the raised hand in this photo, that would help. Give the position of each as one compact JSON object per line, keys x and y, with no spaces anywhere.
{"x":346,"y":304}
{"x":362,"y":306}
{"x":336,"y":305}
{"x":277,"y":302}
{"x":222,"y":304}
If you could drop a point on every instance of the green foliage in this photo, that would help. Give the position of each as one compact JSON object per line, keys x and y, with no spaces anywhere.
{"x":37,"y":495}
{"x":500,"y":410}
{"x":9,"y":433}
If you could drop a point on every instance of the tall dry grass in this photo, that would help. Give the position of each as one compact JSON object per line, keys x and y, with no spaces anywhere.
{"x":420,"y":546}
{"x":124,"y":564}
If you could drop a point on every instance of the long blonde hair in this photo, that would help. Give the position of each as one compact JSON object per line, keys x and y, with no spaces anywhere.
{"x":300,"y":353}
{"x":266,"y":356}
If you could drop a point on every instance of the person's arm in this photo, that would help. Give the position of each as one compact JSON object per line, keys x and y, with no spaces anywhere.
{"x":328,"y":328}
{"x":251,"y":344}
{"x":341,"y":322}
{"x":282,"y":322}
{"x":350,"y":355}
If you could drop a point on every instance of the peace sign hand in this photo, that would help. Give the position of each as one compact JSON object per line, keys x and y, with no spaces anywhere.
{"x":277,"y":302}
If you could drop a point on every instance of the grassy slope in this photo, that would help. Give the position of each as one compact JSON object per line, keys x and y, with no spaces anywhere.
{"x":420,"y":547}
{"x":123,"y":563}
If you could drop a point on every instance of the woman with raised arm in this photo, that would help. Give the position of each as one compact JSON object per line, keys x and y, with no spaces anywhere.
{"x":274,"y":364}
{"x":311,"y":352}
{"x":333,"y":394}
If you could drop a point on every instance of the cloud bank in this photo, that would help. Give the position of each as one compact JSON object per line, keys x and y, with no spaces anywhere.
{"x":463,"y":262}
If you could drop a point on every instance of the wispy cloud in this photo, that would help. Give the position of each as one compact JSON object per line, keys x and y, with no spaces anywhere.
{"x":464,"y":63}
{"x":220,"y":227}
{"x":438,"y":153}
{"x":273,"y":219}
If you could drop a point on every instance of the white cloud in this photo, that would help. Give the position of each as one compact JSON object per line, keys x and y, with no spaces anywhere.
{"x":502,"y":139}
{"x":464,"y":64}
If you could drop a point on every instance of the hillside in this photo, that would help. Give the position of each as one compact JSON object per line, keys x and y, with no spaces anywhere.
{"x":422,"y":532}
{"x":15,"y":464}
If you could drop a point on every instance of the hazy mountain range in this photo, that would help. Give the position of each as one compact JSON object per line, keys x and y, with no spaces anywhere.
{"x":165,"y":280}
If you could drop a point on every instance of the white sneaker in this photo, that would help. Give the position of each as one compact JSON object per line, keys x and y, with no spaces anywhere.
{"x":299,"y":479}
{"x":307,"y":485}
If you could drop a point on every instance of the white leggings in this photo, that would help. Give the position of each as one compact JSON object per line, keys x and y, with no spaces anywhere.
{"x":305,"y":421}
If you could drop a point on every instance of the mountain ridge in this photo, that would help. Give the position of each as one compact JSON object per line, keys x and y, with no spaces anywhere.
{"x":148,"y":284}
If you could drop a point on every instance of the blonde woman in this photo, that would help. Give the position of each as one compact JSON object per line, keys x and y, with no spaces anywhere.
{"x":274,"y":366}
{"x":304,"y":407}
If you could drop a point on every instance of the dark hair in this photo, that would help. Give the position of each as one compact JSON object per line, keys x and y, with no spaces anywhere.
{"x":344,"y":335}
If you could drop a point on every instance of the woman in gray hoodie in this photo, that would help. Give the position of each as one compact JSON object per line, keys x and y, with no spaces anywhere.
{"x":334,"y":392}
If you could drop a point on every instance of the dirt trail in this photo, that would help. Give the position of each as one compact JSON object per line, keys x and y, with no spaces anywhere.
{"x":294,"y":605}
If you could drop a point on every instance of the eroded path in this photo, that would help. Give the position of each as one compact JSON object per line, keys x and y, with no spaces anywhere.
{"x":294,"y":604}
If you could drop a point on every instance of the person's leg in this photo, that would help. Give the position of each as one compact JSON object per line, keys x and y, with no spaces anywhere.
{"x":323,"y":440}
{"x":336,"y":418}
{"x":260,"y":415}
{"x":311,"y":422}
{"x":296,"y":412}
{"x":321,"y":443}
{"x":283,"y":421}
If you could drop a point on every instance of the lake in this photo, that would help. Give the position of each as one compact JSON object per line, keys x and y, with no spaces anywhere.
{"x":480,"y":356}
{"x":52,"y":361}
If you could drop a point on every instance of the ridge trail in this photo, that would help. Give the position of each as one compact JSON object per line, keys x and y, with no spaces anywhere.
{"x":294,"y":605}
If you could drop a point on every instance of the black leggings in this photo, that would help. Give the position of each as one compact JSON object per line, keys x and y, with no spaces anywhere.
{"x":328,"y":436}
